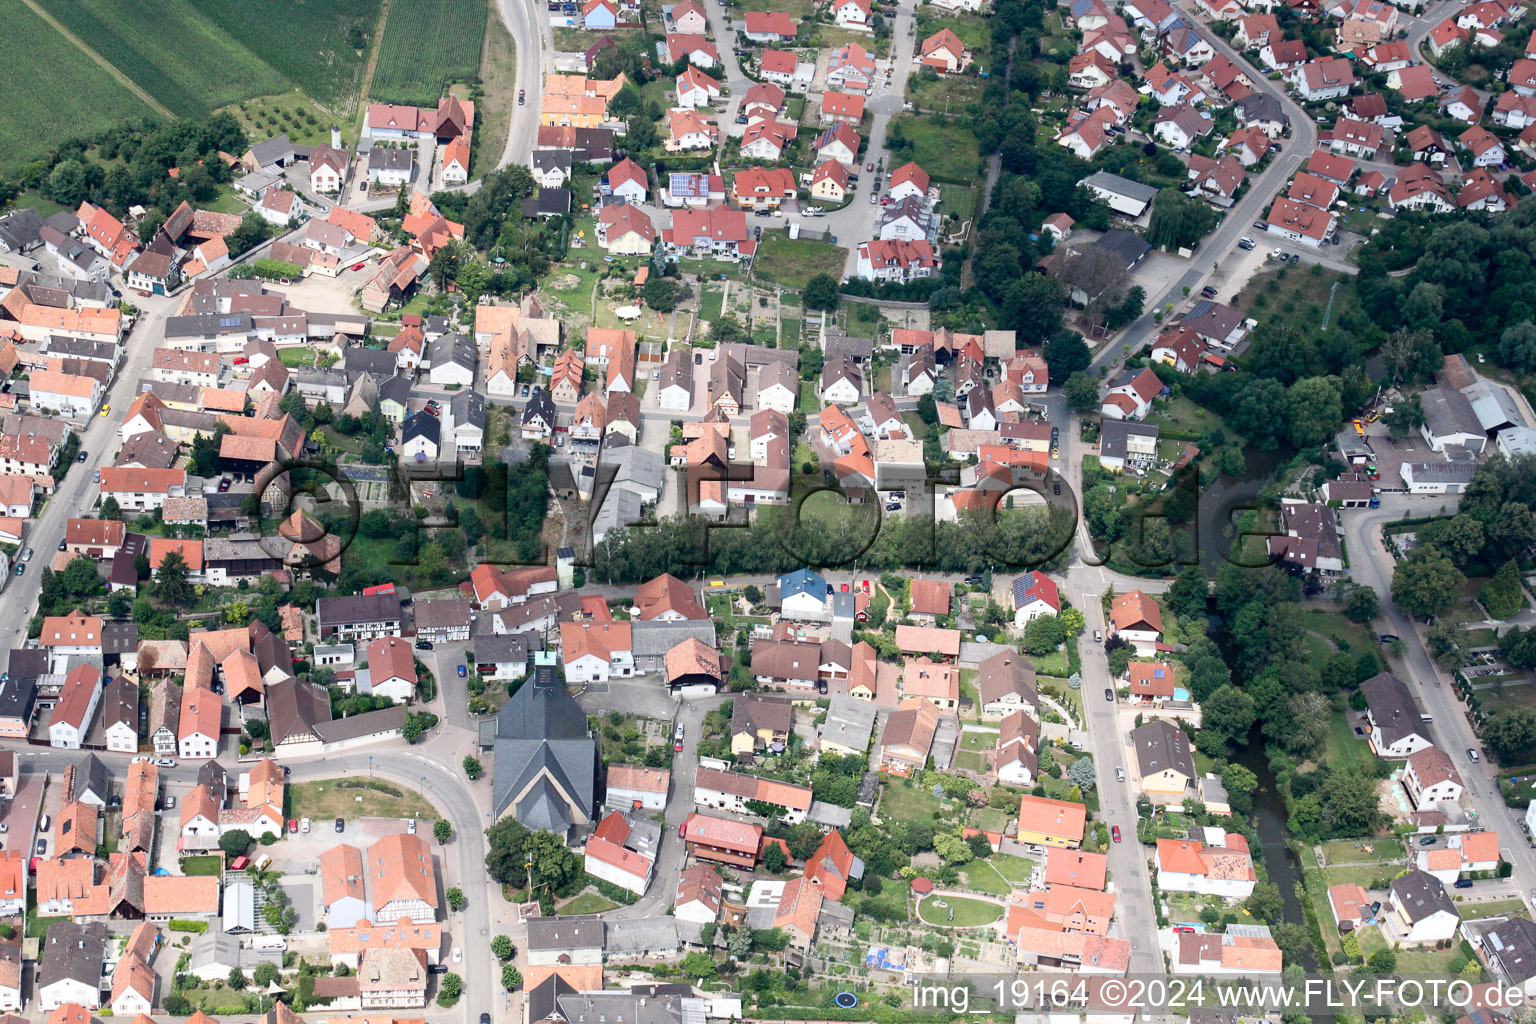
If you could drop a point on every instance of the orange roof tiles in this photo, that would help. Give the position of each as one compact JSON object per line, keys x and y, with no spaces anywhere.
{"x":1052,"y":817}
{"x":1136,"y":607}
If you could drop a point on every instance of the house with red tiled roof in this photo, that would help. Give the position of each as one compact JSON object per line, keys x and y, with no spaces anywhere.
{"x":723,"y":840}
{"x":770,"y":27}
{"x":1130,"y":395}
{"x":1137,"y":617}
{"x":798,"y":908}
{"x":594,"y":651}
{"x":943,"y":52}
{"x":623,"y":851}
{"x":1214,"y":869}
{"x":833,"y":866}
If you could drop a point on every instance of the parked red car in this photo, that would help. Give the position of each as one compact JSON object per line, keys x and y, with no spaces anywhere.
{"x":359,"y":266}
{"x":293,"y":826}
{"x":1114,"y":832}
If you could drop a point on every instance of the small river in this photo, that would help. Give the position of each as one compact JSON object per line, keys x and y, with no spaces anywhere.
{"x":1223,"y":498}
{"x":1271,"y":819}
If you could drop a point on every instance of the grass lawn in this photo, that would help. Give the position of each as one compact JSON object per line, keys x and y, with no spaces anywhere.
{"x":981,"y":875}
{"x":1426,"y":963}
{"x":37,"y":927}
{"x":972,"y":29}
{"x":301,"y":355}
{"x":290,"y":112}
{"x":988,"y":819}
{"x":951,"y":94}
{"x":1016,"y":869}
{"x":1522,"y":781}
{"x":1366,"y":875}
{"x":1053,"y":664}
{"x":946,"y":149}
{"x":809,"y":401}
{"x":1295,"y":296}
{"x":968,"y":913}
{"x":1505,"y":698}
{"x":1346,"y":635}
{"x":1316,"y":886}
{"x":792,"y":263}
{"x":45,"y":207}
{"x":1493,"y":908}
{"x":1342,"y":749}
{"x":1187,"y":415}
{"x":1349,"y":851}
{"x":957,"y":200}
{"x":904,"y":801}
{"x":579,"y":40}
{"x":969,"y":760}
{"x":972,"y":739}
{"x":343,"y":798}
{"x":211,"y":865}
{"x":498,"y":84}
{"x":586,"y":903}
{"x":710,"y":303}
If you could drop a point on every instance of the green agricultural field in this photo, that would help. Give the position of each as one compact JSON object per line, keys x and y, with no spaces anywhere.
{"x":171,"y":50}
{"x":305,"y":42}
{"x":427,"y":44}
{"x":37,"y":118}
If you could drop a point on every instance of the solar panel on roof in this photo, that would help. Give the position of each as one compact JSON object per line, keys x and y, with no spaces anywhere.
{"x":229,"y":321}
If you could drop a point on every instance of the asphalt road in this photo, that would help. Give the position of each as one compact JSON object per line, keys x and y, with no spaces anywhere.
{"x":1135,"y":916}
{"x":528,"y":22}
{"x":99,"y":441}
{"x":1371,"y":565}
{"x":1219,"y":245}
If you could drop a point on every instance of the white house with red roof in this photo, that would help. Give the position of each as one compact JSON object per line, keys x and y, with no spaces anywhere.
{"x":76,"y":707}
{"x":908,"y":180}
{"x":850,"y":69}
{"x":1090,"y":70}
{"x":842,"y":107}
{"x":695,"y":89}
{"x":771,"y":27}
{"x":1327,"y":78}
{"x":627,"y":181}
{"x":1034,"y":594}
{"x":895,"y":260}
{"x":1130,"y":396}
{"x":718,"y":231}
{"x":852,"y":13}
{"x":623,"y":851}
{"x":1300,"y":223}
{"x":767,"y":139}
{"x":778,"y":67}
{"x":1483,"y":146}
{"x":943,"y":52}
{"x":696,"y":49}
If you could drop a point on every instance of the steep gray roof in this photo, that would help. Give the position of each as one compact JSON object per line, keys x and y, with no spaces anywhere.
{"x":454,"y":348}
{"x":73,"y":951}
{"x":468,"y":407}
{"x":1162,"y":745}
{"x":542,"y":730}
{"x":1392,"y":707}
